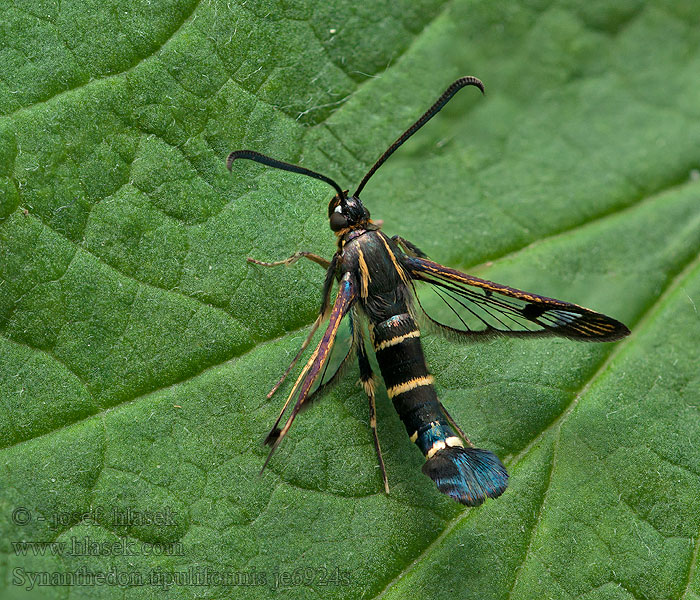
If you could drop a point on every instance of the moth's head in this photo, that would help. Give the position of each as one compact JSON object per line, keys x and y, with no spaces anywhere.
{"x":346,"y":212}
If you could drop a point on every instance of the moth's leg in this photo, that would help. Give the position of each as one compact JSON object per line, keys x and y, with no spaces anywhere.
{"x":330,"y":274}
{"x":457,"y":427}
{"x":368,"y":383}
{"x":292,"y":259}
{"x":304,"y":345}
{"x":275,"y":431}
{"x":408,"y":247}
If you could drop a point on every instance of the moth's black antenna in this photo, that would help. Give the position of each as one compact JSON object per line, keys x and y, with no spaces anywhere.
{"x":430,"y":113}
{"x":278,"y":164}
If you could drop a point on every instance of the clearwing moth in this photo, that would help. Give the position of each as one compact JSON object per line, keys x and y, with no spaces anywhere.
{"x":378,"y":280}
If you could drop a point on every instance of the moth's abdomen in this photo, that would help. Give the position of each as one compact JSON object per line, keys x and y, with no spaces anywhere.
{"x":408,"y":382}
{"x":469,"y":475}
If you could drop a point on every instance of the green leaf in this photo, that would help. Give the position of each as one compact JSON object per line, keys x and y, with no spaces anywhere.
{"x":138,"y":345}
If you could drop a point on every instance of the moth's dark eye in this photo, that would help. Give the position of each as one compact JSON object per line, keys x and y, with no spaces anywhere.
{"x":338,"y":221}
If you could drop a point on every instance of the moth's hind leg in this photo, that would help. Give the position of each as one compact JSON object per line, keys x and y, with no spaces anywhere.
{"x":323,"y":313}
{"x":368,"y":383}
{"x":292,"y":259}
{"x":306,"y":343}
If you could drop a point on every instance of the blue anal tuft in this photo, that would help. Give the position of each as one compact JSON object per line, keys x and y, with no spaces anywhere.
{"x":468,"y":475}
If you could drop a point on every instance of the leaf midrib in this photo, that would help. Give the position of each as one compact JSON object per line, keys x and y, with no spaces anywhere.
{"x":475,"y":268}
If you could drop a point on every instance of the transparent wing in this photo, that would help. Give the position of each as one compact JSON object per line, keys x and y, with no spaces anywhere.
{"x":315,"y":365}
{"x":465,"y":306}
{"x":339,"y":359}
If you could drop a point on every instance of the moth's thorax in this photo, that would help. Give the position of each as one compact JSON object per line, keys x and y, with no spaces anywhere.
{"x":348,"y":235}
{"x":375,"y":263}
